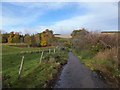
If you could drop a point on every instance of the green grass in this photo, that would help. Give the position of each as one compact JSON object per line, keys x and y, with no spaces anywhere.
{"x":6,"y":49}
{"x":38,"y":76}
{"x":33,"y":74}
{"x":64,"y":39}
{"x":98,"y":63}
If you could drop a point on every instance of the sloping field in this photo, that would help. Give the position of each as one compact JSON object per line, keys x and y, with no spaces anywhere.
{"x":63,"y":36}
{"x":34,"y":74}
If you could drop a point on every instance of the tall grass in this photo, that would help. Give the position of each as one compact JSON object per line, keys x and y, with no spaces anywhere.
{"x":107,"y":62}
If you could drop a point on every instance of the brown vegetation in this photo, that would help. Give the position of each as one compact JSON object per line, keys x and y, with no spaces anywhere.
{"x":99,"y":52}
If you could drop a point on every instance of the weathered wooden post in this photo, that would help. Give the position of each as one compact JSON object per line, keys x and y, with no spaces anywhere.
{"x":21,"y":66}
{"x":54,"y":50}
{"x":49,"y":51}
{"x":41,"y":56}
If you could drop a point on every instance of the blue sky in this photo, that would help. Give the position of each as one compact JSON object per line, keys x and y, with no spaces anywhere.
{"x":61,"y":17}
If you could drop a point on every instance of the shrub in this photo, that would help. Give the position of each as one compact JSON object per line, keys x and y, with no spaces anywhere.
{"x":106,"y":61}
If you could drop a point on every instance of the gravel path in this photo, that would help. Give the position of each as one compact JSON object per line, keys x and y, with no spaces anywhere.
{"x":77,"y":75}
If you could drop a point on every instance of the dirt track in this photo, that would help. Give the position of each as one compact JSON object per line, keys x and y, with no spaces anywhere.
{"x":77,"y":75}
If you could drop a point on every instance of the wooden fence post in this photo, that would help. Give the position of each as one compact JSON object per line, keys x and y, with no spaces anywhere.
{"x":21,"y":66}
{"x":54,"y":50}
{"x":41,"y":56}
{"x":49,"y":51}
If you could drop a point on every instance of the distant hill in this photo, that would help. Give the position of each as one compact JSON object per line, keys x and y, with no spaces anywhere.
{"x":63,"y":36}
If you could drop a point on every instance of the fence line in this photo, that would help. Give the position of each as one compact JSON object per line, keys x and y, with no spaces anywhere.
{"x":42,"y":52}
{"x":26,"y":52}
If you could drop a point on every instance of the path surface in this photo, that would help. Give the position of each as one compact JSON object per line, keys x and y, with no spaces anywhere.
{"x":77,"y":75}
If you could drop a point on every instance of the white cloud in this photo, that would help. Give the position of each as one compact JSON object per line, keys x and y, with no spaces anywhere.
{"x":60,"y":0}
{"x":11,"y":21}
{"x":43,"y":5}
{"x":32,"y":10}
{"x":100,"y":16}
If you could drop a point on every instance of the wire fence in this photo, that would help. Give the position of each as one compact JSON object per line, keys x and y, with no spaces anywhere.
{"x":32,"y":52}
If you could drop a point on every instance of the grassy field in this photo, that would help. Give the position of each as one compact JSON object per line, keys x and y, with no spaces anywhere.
{"x":64,"y":36}
{"x":34,"y":75}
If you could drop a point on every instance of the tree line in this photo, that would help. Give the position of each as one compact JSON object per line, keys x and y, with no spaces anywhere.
{"x":40,"y":39}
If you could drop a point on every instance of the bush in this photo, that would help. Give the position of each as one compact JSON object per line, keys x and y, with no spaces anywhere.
{"x":106,"y":61}
{"x":99,"y":51}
